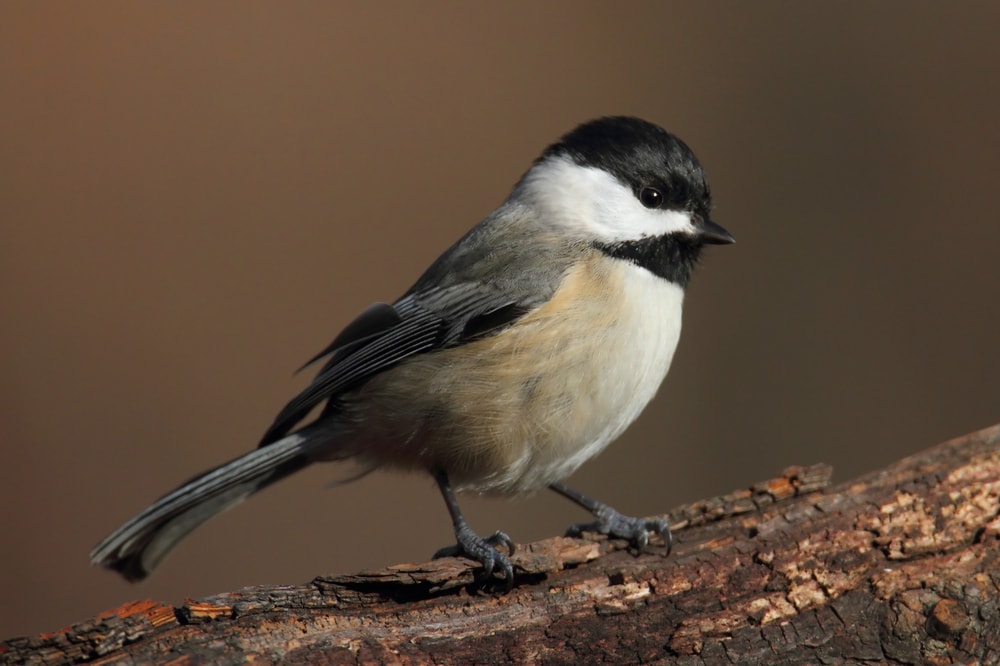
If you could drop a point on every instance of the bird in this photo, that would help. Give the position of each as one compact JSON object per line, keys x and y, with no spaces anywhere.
{"x":523,"y":350}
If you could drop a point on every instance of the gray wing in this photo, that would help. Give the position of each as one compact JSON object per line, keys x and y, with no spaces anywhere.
{"x":498,"y":272}
{"x":383,"y":335}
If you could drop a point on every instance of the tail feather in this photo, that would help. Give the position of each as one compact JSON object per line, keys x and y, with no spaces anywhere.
{"x":138,"y":546}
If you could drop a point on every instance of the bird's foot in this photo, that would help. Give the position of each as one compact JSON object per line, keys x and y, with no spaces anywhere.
{"x":484,"y":551}
{"x":617,"y":525}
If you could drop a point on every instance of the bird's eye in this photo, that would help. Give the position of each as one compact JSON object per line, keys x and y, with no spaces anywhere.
{"x":651,"y":197}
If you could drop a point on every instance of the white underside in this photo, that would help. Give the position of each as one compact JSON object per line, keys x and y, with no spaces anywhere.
{"x":627,"y":368}
{"x":520,"y":410}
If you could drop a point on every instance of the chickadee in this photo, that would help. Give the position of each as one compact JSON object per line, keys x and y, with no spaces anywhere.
{"x":522,"y":352}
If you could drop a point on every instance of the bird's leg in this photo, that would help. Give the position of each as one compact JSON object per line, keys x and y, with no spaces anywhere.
{"x":614,"y":524}
{"x":474,"y":546}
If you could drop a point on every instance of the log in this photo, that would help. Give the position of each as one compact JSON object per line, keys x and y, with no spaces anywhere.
{"x":900,"y":566}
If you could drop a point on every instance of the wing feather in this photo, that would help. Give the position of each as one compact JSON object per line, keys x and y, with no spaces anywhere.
{"x":420,"y":323}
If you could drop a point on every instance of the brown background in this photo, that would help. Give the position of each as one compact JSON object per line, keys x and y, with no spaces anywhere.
{"x":195,"y":197}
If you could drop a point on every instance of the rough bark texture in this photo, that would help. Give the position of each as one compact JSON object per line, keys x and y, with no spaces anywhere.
{"x":900,"y":566}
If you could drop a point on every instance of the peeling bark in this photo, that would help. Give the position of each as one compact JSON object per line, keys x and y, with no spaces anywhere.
{"x":900,"y":566}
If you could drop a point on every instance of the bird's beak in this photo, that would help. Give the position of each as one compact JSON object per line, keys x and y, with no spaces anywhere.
{"x":712,"y":233}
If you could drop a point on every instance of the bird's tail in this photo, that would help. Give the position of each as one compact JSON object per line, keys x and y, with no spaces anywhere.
{"x":138,"y":546}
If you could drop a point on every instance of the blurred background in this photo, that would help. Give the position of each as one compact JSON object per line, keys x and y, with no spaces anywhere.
{"x":195,"y":198}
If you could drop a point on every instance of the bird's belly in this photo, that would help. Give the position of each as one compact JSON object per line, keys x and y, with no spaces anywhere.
{"x":521,"y":409}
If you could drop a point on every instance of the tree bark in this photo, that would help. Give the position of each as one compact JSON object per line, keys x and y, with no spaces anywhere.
{"x":900,"y":566}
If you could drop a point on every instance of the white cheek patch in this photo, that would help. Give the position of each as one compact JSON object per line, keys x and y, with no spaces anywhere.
{"x":592,"y":201}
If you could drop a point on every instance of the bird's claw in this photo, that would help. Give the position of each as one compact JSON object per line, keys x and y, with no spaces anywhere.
{"x":619,"y":526}
{"x":485,"y":551}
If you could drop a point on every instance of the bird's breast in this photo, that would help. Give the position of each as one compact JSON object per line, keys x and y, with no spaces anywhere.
{"x":523,"y":408}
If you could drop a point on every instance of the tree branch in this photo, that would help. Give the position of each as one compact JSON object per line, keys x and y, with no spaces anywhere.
{"x":900,"y":566}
